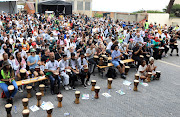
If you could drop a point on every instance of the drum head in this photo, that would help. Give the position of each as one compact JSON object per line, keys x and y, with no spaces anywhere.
{"x":136,"y":80}
{"x":141,"y":56}
{"x":22,"y":70}
{"x":136,"y":74}
{"x":97,"y":87}
{"x":56,"y":73}
{"x":29,"y":87}
{"x":127,"y":67}
{"x":158,"y":71}
{"x":86,"y":68}
{"x":77,"y":92}
{"x":59,"y":95}
{"x":8,"y":105}
{"x":41,"y":85}
{"x":110,"y":79}
{"x":68,"y":70}
{"x":25,"y":100}
{"x":26,"y":111}
{"x":103,"y":55}
{"x":39,"y":93}
{"x":148,"y":55}
{"x":149,"y":73}
{"x":121,"y":62}
{"x":95,"y":56}
{"x":93,"y":80}
{"x":10,"y":87}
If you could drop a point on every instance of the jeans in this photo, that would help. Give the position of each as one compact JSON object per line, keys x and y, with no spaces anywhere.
{"x":83,"y":76}
{"x":52,"y":81}
{"x":4,"y":87}
{"x":73,"y":78}
{"x":92,"y":66}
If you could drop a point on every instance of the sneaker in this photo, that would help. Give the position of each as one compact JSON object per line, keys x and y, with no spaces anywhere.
{"x":170,"y":54}
{"x":20,"y":90}
{"x":66,"y":88}
{"x":177,"y":54}
{"x":166,"y":55}
{"x":85,"y":86}
{"x":87,"y":83}
{"x":73,"y":88}
{"x":69,"y":87}
{"x":123,"y":76}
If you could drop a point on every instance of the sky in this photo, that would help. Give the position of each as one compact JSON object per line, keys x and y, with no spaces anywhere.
{"x":128,"y":5}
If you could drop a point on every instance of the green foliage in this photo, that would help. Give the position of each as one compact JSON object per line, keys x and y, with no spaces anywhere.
{"x":98,"y":15}
{"x":149,"y":11}
{"x":175,"y":10}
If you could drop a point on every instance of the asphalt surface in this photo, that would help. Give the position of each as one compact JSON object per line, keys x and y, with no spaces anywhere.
{"x":159,"y":99}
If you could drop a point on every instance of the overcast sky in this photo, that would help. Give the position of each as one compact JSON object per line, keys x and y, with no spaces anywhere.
{"x":128,"y":5}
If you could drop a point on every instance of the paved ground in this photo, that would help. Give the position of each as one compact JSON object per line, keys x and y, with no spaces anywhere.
{"x":159,"y":99}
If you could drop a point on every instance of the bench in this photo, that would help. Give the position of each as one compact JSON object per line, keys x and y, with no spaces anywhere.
{"x":31,"y":80}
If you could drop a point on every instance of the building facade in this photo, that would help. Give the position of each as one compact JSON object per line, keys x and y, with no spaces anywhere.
{"x":82,"y":6}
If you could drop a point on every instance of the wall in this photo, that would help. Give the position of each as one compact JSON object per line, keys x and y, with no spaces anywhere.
{"x":4,"y":6}
{"x":174,"y":21}
{"x":125,"y":17}
{"x":159,"y":18}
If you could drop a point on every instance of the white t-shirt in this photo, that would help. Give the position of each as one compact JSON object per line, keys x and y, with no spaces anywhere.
{"x":141,"y":68}
{"x":52,"y":65}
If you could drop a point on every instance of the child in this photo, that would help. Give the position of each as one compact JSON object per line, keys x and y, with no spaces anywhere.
{"x":142,"y":70}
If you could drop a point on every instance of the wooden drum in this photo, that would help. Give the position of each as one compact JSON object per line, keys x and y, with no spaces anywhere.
{"x":149,"y":77}
{"x":101,"y":61}
{"x":158,"y":75}
{"x":8,"y":108}
{"x":127,"y":70}
{"x":29,"y":88}
{"x":68,"y":71}
{"x":136,"y":82}
{"x":38,"y":96}
{"x":97,"y":89}
{"x":86,"y":70}
{"x":49,"y":112}
{"x":59,"y":97}
{"x":93,"y":83}
{"x":137,"y":76}
{"x":41,"y":88}
{"x":25,"y":102}
{"x":109,"y":83}
{"x":23,"y":73}
{"x":10,"y":88}
{"x":25,"y":113}
{"x":37,"y":68}
{"x":77,"y":95}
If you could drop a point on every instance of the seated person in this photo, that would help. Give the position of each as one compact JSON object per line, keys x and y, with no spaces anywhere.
{"x":82,"y":63}
{"x":137,"y":51}
{"x":33,"y":61}
{"x":116,"y":55}
{"x":52,"y":66}
{"x":173,"y":46}
{"x":142,"y":70}
{"x":63,"y":64}
{"x":6,"y":79}
{"x":151,"y":67}
{"x":58,"y":55}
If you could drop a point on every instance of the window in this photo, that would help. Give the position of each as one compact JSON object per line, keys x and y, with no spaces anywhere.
{"x":87,"y":5}
{"x":79,"y":5}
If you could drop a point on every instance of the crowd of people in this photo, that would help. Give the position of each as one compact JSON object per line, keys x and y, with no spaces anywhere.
{"x":58,"y":44}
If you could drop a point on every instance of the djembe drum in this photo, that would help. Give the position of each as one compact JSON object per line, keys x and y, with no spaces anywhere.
{"x":38,"y":96}
{"x":97,"y":89}
{"x":141,"y":57}
{"x":86,"y":70}
{"x":137,"y":76}
{"x":49,"y":112}
{"x":41,"y":88}
{"x":101,"y":61}
{"x":158,"y":74}
{"x":37,"y":68}
{"x":175,"y":44}
{"x":109,"y":83}
{"x":8,"y":108}
{"x":25,"y":102}
{"x":10,"y":89}
{"x":29,"y":88}
{"x":68,"y":71}
{"x":93,"y":83}
{"x":55,"y":74}
{"x":148,"y":56}
{"x":23,"y":73}
{"x":25,"y":113}
{"x":127,"y":70}
{"x":136,"y":82}
{"x":77,"y":95}
{"x":96,"y":57}
{"x":149,"y":77}
{"x":59,"y":97}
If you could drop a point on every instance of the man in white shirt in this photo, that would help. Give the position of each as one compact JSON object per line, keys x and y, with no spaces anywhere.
{"x":52,"y":67}
{"x":23,"y":53}
{"x":108,"y":49}
{"x":64,"y":65}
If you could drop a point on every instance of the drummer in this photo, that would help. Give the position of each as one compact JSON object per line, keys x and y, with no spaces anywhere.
{"x":63,"y":64}
{"x":82,"y":63}
{"x":151,"y":67}
{"x":173,"y":45}
{"x":52,"y":66}
{"x":34,"y":61}
{"x":74,"y":70}
{"x":7,"y":78}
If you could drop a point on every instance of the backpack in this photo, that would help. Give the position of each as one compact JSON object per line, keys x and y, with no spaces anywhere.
{"x":111,"y":73}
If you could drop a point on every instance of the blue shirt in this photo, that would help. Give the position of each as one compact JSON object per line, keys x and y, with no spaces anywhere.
{"x":31,"y":59}
{"x":115,"y":54}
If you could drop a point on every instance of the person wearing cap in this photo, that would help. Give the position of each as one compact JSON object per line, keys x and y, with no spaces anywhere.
{"x":32,"y":61}
{"x":82,"y":64}
{"x":6,"y":79}
{"x":23,"y":53}
{"x":64,"y":65}
{"x":116,"y":55}
{"x":51,"y":67}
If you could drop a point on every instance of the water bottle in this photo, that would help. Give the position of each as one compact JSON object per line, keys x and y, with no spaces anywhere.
{"x":109,"y":91}
{"x":32,"y":75}
{"x":92,"y":97}
{"x":15,"y":109}
{"x":66,"y":114}
{"x":130,"y":88}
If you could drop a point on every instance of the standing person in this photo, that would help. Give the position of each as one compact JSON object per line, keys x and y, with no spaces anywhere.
{"x":90,"y":52}
{"x":33,"y":61}
{"x":63,"y":64}
{"x":116,"y":55}
{"x":82,"y":63}
{"x":51,"y":67}
{"x":173,"y":45}
{"x":7,"y":78}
